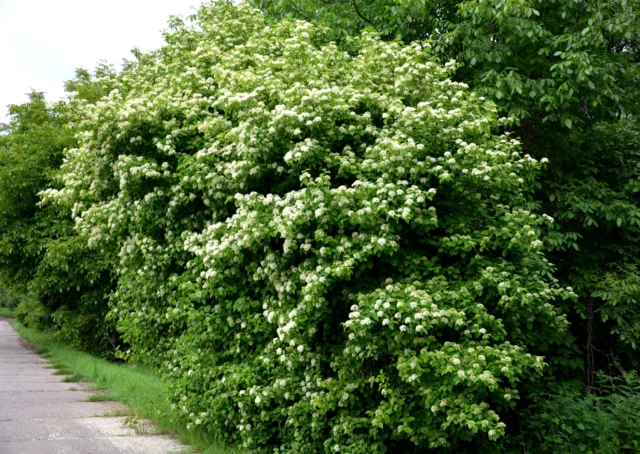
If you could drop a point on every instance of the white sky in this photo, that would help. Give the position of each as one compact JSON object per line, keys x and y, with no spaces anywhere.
{"x":42,"y":42}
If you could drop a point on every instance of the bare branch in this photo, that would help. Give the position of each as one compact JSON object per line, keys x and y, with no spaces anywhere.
{"x":355,"y":8}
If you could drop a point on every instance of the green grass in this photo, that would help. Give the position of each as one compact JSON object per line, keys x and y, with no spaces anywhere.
{"x":103,"y":398}
{"x":6,"y":312}
{"x":136,"y":386}
{"x":73,"y":378}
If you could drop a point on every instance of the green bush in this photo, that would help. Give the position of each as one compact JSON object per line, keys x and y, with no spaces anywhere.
{"x":85,"y":327}
{"x":605,"y":420}
{"x":41,"y":256}
{"x":31,"y":313}
{"x":8,"y":299}
{"x":322,"y":250}
{"x":568,"y":71}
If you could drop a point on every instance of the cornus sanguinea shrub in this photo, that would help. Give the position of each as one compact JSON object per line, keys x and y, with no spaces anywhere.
{"x":322,"y":250}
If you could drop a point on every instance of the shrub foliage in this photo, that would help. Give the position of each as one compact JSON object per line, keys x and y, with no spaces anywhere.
{"x":567,"y":71}
{"x":64,"y":285}
{"x":323,"y":250}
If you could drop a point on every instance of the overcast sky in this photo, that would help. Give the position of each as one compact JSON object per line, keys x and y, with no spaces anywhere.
{"x":42,"y":42}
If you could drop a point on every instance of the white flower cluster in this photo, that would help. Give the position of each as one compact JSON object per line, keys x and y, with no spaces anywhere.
{"x":256,"y":182}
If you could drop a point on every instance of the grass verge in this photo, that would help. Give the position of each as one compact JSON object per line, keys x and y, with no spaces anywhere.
{"x":6,"y":312}
{"x":138,"y":387}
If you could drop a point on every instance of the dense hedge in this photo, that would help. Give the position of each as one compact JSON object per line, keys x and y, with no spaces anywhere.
{"x":323,"y":250}
{"x":63,"y":284}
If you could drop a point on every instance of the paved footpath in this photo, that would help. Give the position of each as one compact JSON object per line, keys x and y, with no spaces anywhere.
{"x":40,"y":414}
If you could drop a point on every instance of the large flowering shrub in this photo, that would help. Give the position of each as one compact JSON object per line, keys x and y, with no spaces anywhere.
{"x":322,"y":250}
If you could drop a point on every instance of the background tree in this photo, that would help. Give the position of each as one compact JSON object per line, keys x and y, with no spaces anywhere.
{"x":64,"y":285}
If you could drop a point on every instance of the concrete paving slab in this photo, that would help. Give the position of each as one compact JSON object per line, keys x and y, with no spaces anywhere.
{"x":6,"y":362}
{"x":30,"y":378}
{"x":22,"y":359}
{"x":15,"y":369}
{"x":39,"y":413}
{"x":114,"y":445}
{"x":13,"y":350}
{"x":64,"y":411}
{"x":28,"y":369}
{"x":41,"y":387}
{"x":146,"y":444}
{"x":18,"y":399}
{"x":19,"y":354}
{"x":35,"y":361}
{"x":77,"y":446}
{"x":64,"y":429}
